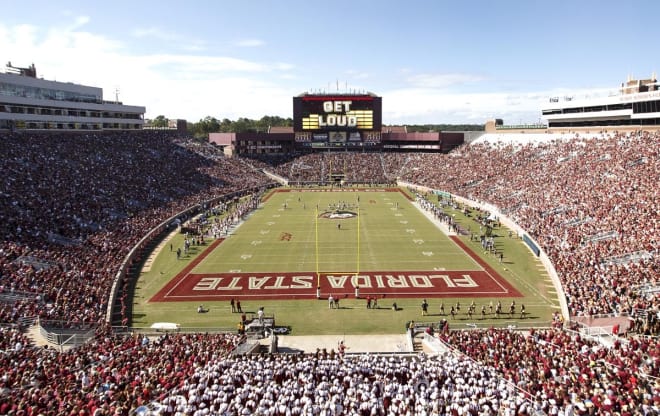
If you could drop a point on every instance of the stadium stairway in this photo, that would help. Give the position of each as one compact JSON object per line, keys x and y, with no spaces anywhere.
{"x":418,"y":346}
{"x":34,"y":333}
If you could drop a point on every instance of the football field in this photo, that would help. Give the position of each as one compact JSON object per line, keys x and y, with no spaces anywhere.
{"x":305,"y":245}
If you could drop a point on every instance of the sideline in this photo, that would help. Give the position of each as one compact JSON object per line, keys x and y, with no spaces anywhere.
{"x":156,"y":251}
{"x":441,"y":225}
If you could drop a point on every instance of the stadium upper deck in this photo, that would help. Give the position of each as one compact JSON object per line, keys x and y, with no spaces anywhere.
{"x":31,"y":103}
{"x":637,"y":105}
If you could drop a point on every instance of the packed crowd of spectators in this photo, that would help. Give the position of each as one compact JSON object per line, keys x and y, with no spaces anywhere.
{"x":484,"y":372}
{"x":72,"y":207}
{"x":326,"y":168}
{"x":568,"y":374}
{"x":591,"y":202}
{"x":326,"y":383}
{"x":109,"y":376}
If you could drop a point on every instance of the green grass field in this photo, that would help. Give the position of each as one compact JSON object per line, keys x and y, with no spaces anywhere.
{"x":387,"y":237}
{"x":390,"y":234}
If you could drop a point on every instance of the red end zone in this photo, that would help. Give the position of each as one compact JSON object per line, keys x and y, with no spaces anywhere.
{"x":187,"y":286}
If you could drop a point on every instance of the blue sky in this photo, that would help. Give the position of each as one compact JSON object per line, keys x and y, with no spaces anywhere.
{"x":431,"y":61}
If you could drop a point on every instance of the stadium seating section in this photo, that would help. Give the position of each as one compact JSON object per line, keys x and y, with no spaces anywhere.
{"x":72,"y":206}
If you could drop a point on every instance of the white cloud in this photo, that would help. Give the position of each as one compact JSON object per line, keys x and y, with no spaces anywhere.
{"x":146,"y":32}
{"x":355,"y":74}
{"x":411,"y":105}
{"x":250,"y":43}
{"x":173,"y":38}
{"x":78,"y":22}
{"x":175,"y":85}
{"x":199,"y":66}
{"x":442,"y":80}
{"x":282,"y":66}
{"x":193,"y":85}
{"x":67,"y":54}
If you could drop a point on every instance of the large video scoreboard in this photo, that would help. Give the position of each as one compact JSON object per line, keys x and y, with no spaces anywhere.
{"x":338,"y":120}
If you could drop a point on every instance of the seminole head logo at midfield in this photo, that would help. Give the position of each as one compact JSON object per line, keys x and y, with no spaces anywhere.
{"x":338,"y":214}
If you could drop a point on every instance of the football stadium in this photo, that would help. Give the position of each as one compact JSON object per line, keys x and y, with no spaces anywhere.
{"x":335,"y":267}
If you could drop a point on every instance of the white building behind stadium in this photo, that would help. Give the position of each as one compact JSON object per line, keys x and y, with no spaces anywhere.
{"x":31,"y":103}
{"x":635,"y":106}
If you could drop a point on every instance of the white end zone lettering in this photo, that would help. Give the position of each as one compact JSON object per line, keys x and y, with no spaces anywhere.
{"x":346,"y":281}
{"x":337,"y":282}
{"x":254,"y":285}
{"x":207,"y":283}
{"x":466,"y":281}
{"x":399,"y":281}
{"x":420,"y":280}
{"x":301,"y":282}
{"x":213,"y":283}
{"x":361,"y":281}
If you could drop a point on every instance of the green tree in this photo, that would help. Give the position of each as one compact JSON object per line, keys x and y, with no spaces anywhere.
{"x":159,"y":121}
{"x":226,"y":125}
{"x":444,"y":127}
{"x":243,"y":125}
{"x":209,"y":125}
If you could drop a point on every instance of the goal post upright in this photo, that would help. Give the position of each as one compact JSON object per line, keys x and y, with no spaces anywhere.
{"x":357,"y":265}
{"x":316,"y":246}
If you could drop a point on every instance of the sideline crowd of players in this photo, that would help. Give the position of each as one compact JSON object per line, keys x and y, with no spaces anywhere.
{"x":72,"y":207}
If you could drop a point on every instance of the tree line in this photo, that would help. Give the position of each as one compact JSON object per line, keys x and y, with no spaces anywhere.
{"x":423,"y":128}
{"x":209,"y":124}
